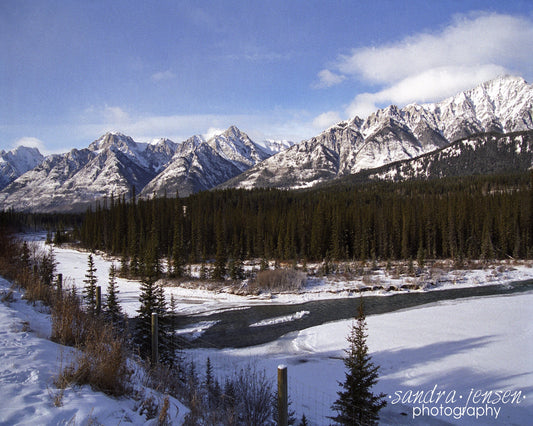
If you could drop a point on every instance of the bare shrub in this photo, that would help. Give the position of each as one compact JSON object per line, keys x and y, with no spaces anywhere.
{"x":34,"y":289}
{"x":57,"y":396}
{"x":245,"y":399}
{"x":70,"y":323}
{"x":254,"y":392}
{"x":149,"y":408}
{"x":368,"y":280}
{"x":102,"y":363}
{"x":279,"y":280}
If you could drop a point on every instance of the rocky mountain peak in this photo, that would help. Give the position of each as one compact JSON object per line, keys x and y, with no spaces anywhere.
{"x":392,"y":134}
{"x":112,"y":139}
{"x":16,"y":162}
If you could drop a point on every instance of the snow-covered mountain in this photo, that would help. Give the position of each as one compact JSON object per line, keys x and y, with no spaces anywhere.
{"x":276,"y":146}
{"x":111,"y":165}
{"x":393,"y":134}
{"x":485,"y":153}
{"x":17,"y":162}
{"x":479,"y":154}
{"x":114,"y":164}
{"x":200,"y":164}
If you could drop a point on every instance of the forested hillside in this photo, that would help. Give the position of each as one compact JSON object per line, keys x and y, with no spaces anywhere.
{"x":481,"y":217}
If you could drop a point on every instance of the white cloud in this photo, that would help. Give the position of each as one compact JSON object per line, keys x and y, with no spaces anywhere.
{"x":429,"y":67}
{"x":212,"y":132}
{"x":163,"y":75}
{"x":106,"y":114}
{"x":328,"y":79}
{"x":469,"y":41}
{"x":115,"y":114}
{"x":326,"y":119}
{"x":428,"y":86}
{"x":31,"y":142}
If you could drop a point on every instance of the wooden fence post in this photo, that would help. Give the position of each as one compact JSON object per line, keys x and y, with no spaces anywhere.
{"x":59,"y":281}
{"x":155,"y":338}
{"x":98,"y":300}
{"x":283,"y":397}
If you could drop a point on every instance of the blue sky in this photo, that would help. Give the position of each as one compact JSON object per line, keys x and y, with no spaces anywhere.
{"x":71,"y":70}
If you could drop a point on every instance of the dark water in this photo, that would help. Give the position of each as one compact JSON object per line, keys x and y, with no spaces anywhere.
{"x":232,"y":328}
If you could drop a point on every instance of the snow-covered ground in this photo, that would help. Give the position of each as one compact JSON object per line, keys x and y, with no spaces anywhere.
{"x":73,"y":265}
{"x":29,"y":362}
{"x":441,"y":363}
{"x":462,"y":348}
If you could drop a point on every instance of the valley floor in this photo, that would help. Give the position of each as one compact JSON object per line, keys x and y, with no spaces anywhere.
{"x":475,"y":353}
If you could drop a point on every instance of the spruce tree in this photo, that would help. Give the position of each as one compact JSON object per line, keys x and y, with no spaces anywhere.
{"x":303,"y":421}
{"x":356,"y":404}
{"x":219,"y":270}
{"x":112,"y":307}
{"x":152,"y":300}
{"x":178,"y":261}
{"x":148,"y":305}
{"x":26,"y":256}
{"x":47,"y":268}
{"x":89,"y":290}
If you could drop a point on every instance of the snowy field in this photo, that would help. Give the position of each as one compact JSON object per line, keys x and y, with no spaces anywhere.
{"x":444,"y":363}
{"x":29,"y":362}
{"x":73,"y":265}
{"x":460,"y":348}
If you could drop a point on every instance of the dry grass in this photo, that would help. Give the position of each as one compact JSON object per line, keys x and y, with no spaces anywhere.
{"x":34,"y":289}
{"x":101,"y":358}
{"x":70,"y":324}
{"x":102,"y":364}
{"x":163,"y":418}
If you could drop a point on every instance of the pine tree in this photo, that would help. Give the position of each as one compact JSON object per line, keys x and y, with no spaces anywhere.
{"x":152,"y":299}
{"x":263,"y":265}
{"x":229,"y":397}
{"x":124,"y":266}
{"x":47,"y":268}
{"x":212,"y":388}
{"x":148,"y":305}
{"x":303,"y":421}
{"x":173,"y":325}
{"x":26,"y":256}
{"x":89,"y":290}
{"x":178,"y":261}
{"x":219,"y":270}
{"x":356,"y":404}
{"x":112,"y":307}
{"x":236,"y":268}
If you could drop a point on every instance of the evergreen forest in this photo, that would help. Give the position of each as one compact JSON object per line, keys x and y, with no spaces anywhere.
{"x":475,"y":217}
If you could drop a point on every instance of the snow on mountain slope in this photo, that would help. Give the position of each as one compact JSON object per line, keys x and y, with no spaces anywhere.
{"x":17,"y":162}
{"x":274,"y":146}
{"x":199,"y":164}
{"x":111,"y":166}
{"x":238,"y":148}
{"x":393,"y":134}
{"x":39,"y":187}
{"x":114,"y":164}
{"x":479,"y":154}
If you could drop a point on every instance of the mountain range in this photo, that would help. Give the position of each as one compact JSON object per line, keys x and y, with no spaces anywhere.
{"x":393,"y":143}
{"x":393,"y":134}
{"x":115,"y":164}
